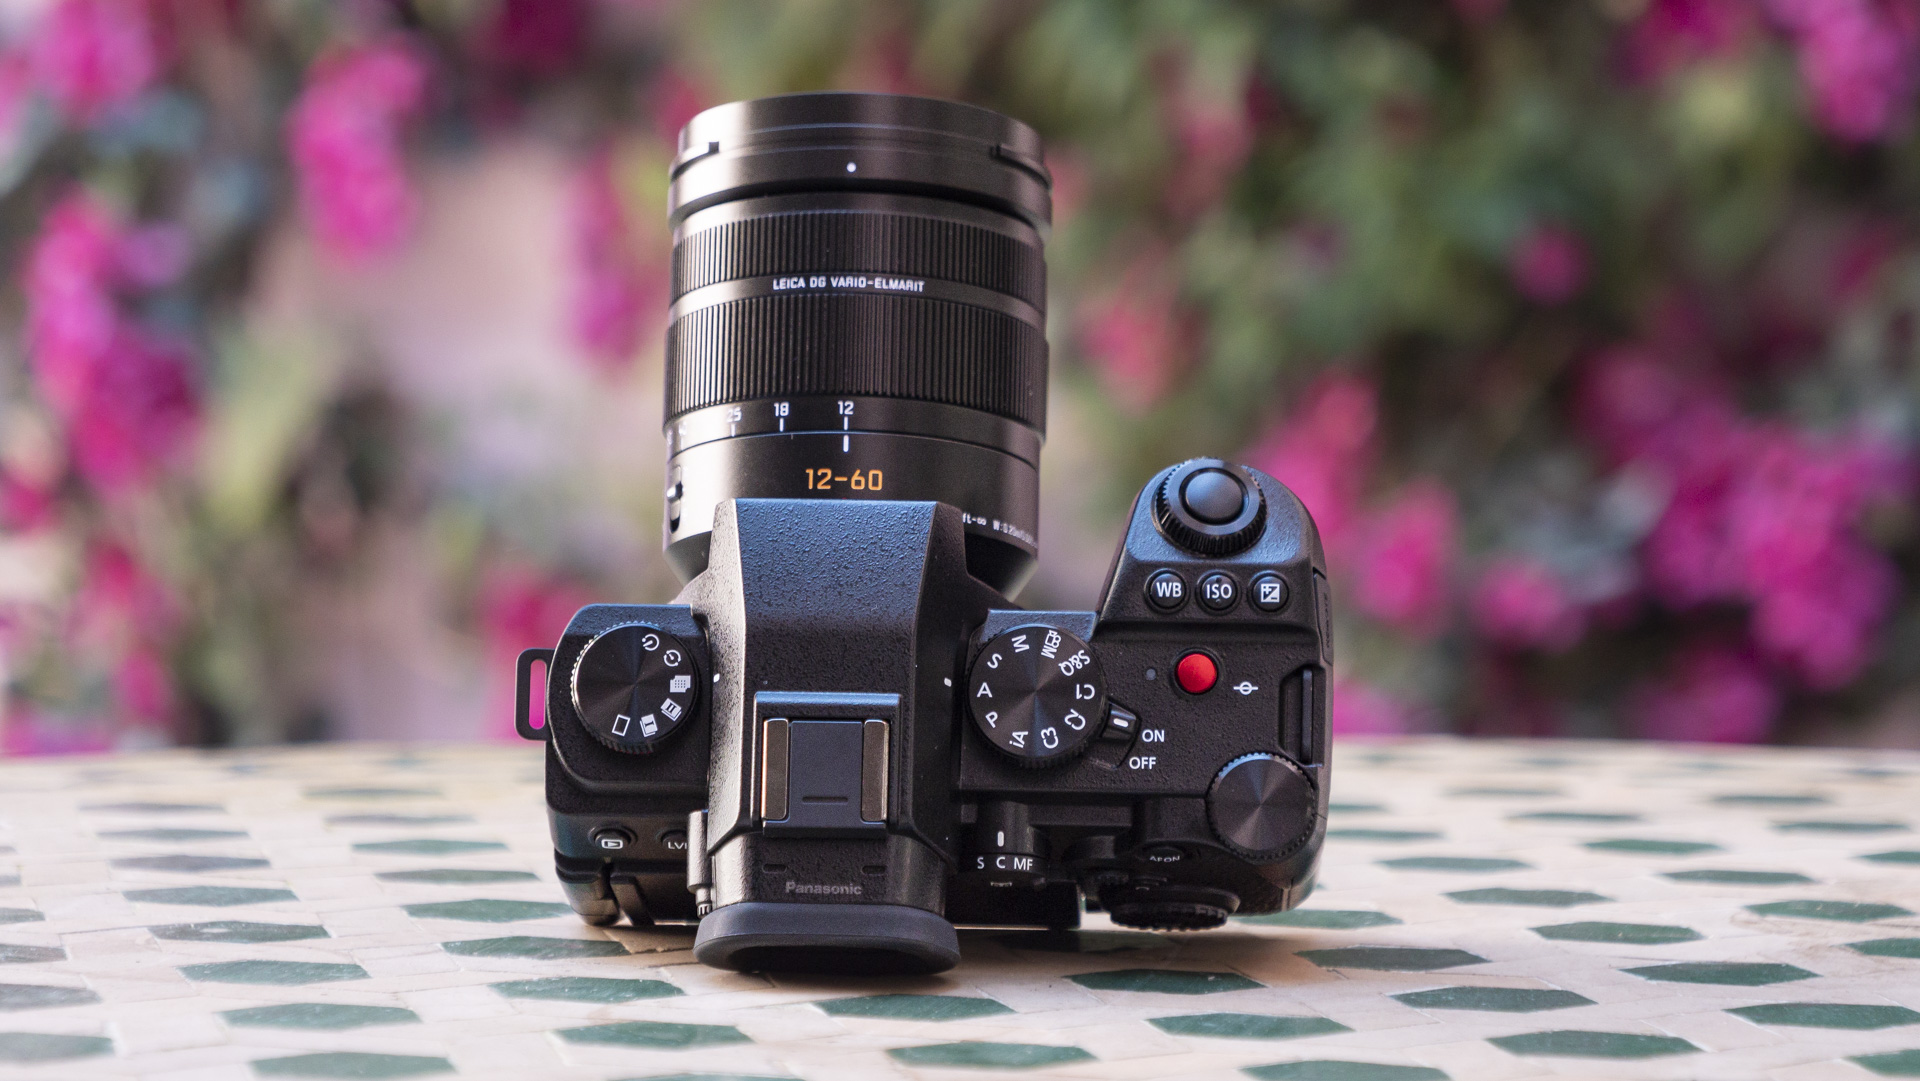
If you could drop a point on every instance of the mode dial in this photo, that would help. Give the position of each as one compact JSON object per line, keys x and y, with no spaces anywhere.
{"x":634,"y":686}
{"x":1262,"y":806}
{"x":1210,"y":507}
{"x":1038,"y":694}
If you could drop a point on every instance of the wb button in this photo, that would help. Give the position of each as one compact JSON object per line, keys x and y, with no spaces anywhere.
{"x":1166,"y":591}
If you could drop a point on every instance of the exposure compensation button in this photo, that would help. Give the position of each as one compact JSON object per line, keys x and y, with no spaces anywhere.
{"x":1037,"y":694}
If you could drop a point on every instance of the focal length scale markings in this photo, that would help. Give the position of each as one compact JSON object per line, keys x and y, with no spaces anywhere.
{"x":1037,"y":694}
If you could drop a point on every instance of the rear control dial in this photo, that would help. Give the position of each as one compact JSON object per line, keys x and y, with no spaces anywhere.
{"x":634,"y":686}
{"x":1037,"y":693}
{"x":1262,"y":806}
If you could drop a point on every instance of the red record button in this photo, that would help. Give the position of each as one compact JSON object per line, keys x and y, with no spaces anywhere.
{"x":1196,"y":673}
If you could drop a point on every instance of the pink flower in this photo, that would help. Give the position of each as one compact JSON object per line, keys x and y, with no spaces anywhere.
{"x":1857,"y":59}
{"x":71,"y":315}
{"x":141,"y":410}
{"x":613,"y":295}
{"x":1135,"y":336}
{"x":128,"y":400}
{"x":92,"y":55}
{"x":1549,"y":264}
{"x":1402,"y":564}
{"x":143,"y":686}
{"x":1714,"y":694}
{"x":155,"y":255}
{"x":25,"y":506}
{"x":1360,"y":709}
{"x":537,"y":37}
{"x":521,"y":608}
{"x":1322,"y":451}
{"x":674,"y":100}
{"x":26,"y":731}
{"x":344,"y":135}
{"x":1670,"y":34}
{"x":1519,"y":602}
{"x":1213,"y":137}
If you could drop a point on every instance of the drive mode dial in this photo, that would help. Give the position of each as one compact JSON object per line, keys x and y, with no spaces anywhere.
{"x":634,"y":686}
{"x":1037,"y":694}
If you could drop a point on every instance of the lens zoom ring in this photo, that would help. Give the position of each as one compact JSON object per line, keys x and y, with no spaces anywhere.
{"x":864,"y":242}
{"x":857,"y":344}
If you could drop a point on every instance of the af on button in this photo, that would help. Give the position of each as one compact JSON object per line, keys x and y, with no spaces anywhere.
{"x":1166,"y":591}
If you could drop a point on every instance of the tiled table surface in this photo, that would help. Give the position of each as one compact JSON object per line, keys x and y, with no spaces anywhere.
{"x":1488,"y":911}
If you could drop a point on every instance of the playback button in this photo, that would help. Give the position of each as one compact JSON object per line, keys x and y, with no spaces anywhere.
{"x":612,"y":840}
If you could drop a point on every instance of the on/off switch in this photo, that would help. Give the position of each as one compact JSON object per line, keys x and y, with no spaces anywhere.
{"x":1196,"y":673}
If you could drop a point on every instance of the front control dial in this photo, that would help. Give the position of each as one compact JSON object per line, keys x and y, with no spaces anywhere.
{"x":1037,"y":694}
{"x":634,"y":686}
{"x":1262,"y":806}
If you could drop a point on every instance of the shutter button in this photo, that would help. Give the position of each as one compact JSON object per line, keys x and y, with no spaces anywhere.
{"x":1214,"y":496}
{"x":1196,"y":673}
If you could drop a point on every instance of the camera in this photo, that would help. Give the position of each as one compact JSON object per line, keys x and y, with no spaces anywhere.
{"x":844,"y":739}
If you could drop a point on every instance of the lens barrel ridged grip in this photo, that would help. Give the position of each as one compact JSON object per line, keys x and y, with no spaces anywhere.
{"x":1210,"y":507}
{"x":1037,"y":694}
{"x":1262,"y":807}
{"x":634,"y":686}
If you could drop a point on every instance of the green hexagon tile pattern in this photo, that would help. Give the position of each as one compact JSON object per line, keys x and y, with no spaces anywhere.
{"x":1486,"y":910}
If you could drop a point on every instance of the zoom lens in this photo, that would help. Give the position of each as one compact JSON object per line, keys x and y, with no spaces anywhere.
{"x":859,"y":303}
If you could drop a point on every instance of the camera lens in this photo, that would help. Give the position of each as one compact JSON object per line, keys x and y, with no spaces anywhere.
{"x":859,"y":312}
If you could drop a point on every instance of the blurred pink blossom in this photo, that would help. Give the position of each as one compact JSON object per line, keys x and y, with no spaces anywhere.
{"x":1714,"y":694}
{"x":521,"y":608}
{"x":1549,"y":264}
{"x":25,"y":506}
{"x":1669,"y":34}
{"x":71,"y":314}
{"x":144,"y":687}
{"x":344,"y":135}
{"x":1403,"y":562}
{"x":120,"y":599}
{"x":536,"y":37}
{"x":27,"y":731}
{"x":1361,"y":709}
{"x":91,"y":55}
{"x":612,"y":293}
{"x":142,"y":408}
{"x":1858,"y":59}
{"x":1134,"y":335}
{"x":128,"y":400}
{"x":1213,"y":137}
{"x":1759,"y":513}
{"x":154,"y":255}
{"x":1520,"y":602}
{"x":675,"y":99}
{"x":1323,"y":450}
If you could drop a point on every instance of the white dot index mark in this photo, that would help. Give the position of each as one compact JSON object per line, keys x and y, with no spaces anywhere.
{"x":948,"y":682}
{"x":851,"y":167}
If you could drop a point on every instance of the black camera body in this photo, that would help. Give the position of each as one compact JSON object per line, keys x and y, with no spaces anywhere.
{"x":844,"y":738}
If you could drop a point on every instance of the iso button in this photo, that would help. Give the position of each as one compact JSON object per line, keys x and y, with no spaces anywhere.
{"x":1269,"y":592}
{"x":1166,"y":591}
{"x":1218,"y":592}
